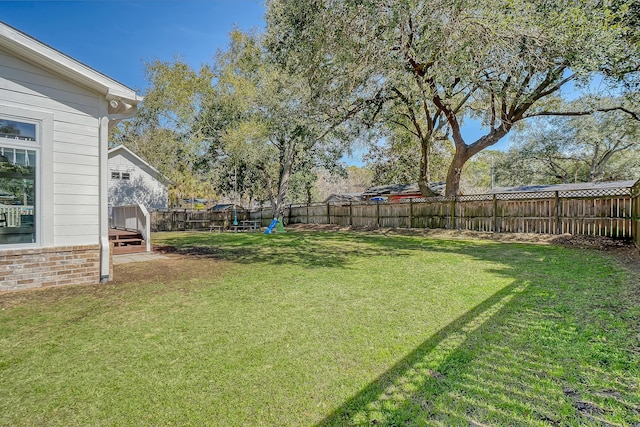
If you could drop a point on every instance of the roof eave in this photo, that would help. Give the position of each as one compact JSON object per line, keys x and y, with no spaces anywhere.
{"x":41,"y":54}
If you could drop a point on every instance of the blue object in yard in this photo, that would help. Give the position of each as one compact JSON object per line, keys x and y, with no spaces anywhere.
{"x":271,"y":226}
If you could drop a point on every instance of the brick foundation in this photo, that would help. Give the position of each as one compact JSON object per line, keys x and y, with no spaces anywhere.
{"x":40,"y":267}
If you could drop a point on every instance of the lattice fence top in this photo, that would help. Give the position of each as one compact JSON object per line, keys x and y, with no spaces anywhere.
{"x":475,"y":198}
{"x":531,"y":195}
{"x":526,"y":196}
{"x":437,"y":199}
{"x":601,"y":192}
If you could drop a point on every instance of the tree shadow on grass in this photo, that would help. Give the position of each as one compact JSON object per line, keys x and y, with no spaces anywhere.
{"x":306,"y":249}
{"x":541,"y":351}
{"x":555,"y":347}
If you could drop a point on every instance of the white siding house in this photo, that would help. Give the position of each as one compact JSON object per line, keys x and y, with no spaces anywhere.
{"x":132,"y":181}
{"x":55,"y":116}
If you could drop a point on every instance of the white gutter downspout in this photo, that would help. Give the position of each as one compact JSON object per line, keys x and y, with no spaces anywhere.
{"x":105,"y":247}
{"x":108,"y":121}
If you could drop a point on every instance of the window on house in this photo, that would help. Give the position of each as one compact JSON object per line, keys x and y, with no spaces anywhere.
{"x":18,"y":183}
{"x":126,"y":176}
{"x":115,"y":175}
{"x":10,"y":129}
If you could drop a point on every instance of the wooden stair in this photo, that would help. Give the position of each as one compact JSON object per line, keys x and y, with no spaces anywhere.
{"x":126,"y":242}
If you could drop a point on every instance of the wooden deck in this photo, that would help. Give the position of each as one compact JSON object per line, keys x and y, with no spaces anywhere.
{"x":126,"y":242}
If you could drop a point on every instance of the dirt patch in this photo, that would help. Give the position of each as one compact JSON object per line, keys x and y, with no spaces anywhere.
{"x":170,"y":269}
{"x":174,"y":270}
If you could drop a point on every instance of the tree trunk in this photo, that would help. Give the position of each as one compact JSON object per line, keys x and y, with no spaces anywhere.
{"x":283,"y":182}
{"x":460,"y":157}
{"x":464,"y":152}
{"x":425,"y":169}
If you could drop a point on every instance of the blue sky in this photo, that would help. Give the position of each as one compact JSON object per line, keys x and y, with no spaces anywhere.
{"x":116,"y":37}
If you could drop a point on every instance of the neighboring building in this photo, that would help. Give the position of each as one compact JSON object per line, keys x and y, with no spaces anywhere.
{"x":132,"y":180}
{"x":55,"y":117}
{"x":226,"y":207}
{"x":395,"y":192}
{"x":345,"y":197}
{"x":578,"y":186}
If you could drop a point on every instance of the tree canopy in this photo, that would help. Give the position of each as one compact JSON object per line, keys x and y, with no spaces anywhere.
{"x":269,"y":122}
{"x":437,"y":63}
{"x":597,"y":147}
{"x":161,"y":132}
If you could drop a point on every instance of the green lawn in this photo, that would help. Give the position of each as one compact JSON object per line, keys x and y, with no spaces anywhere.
{"x":330,"y":329}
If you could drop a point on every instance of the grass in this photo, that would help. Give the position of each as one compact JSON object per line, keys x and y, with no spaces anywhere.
{"x":330,"y":329}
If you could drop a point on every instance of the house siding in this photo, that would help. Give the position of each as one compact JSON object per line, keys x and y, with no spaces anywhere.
{"x":143,"y":187}
{"x":75,"y":142}
{"x":71,"y":252}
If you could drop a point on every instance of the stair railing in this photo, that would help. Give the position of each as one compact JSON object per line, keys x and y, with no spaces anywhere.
{"x":132,"y":218}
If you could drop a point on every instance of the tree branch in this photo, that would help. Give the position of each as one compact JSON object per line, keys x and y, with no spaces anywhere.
{"x":633,"y":114}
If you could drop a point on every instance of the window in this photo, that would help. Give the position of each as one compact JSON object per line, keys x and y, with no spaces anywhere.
{"x":115,"y":175}
{"x":19,"y":153}
{"x":20,"y":131}
{"x":126,"y":176}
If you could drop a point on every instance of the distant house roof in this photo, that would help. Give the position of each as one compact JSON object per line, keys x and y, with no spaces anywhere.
{"x":223,"y":207}
{"x":122,"y":100}
{"x":120,"y":149}
{"x":564,"y":187}
{"x":403,"y":190}
{"x":345,"y":197}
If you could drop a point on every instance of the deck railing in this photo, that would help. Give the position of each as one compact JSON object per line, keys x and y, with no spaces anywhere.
{"x":132,"y":218}
{"x":15,"y":214}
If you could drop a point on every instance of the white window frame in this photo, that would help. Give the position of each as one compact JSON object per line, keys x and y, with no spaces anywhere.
{"x":43,"y":147}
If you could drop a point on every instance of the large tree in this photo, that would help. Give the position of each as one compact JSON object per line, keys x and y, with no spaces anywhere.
{"x":396,"y":159}
{"x":440,"y":62}
{"x":161,"y":132}
{"x":263,"y":119}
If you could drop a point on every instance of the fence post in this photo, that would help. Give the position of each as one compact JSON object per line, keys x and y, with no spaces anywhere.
{"x":350,"y":214}
{"x":378,"y":213}
{"x":558,"y":213}
{"x":635,"y":213}
{"x":453,"y":213}
{"x":410,"y":212}
{"x":307,"y":212}
{"x":495,"y":214}
{"x":328,"y":213}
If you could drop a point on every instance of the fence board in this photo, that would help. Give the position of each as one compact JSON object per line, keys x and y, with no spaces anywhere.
{"x":635,"y":213}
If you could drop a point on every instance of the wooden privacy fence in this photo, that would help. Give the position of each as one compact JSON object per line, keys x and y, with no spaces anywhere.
{"x":611,"y":212}
{"x":186,"y":219}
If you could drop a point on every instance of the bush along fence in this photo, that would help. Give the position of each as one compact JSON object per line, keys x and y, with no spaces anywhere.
{"x":611,"y":212}
{"x":597,"y":212}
